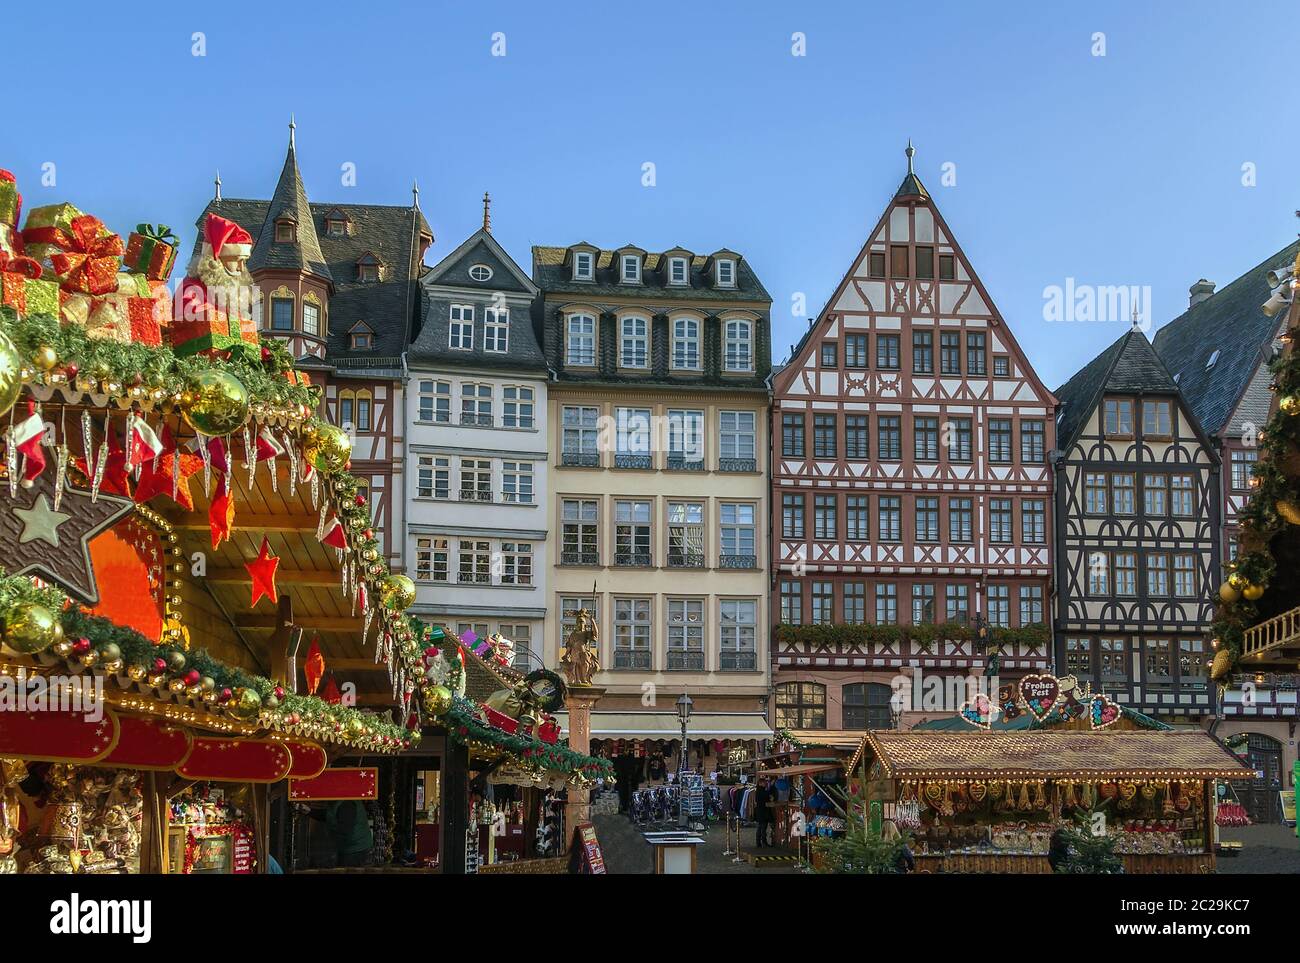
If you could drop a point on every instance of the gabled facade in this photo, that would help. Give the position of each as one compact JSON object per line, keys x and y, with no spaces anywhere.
{"x":476,"y":443}
{"x":910,"y":481}
{"x":658,"y":494}
{"x":1137,"y":534}
{"x":348,"y":327}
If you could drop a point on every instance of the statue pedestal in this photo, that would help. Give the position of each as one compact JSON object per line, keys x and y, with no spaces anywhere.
{"x":579,"y":700}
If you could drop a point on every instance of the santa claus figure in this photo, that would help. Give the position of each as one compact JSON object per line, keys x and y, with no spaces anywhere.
{"x":216,"y":307}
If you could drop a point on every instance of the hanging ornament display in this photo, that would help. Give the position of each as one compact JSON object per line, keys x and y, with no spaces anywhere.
{"x":438,"y":700}
{"x":1252,"y":592}
{"x":1290,"y":404}
{"x":1229,"y":592}
{"x":328,"y":449}
{"x":216,"y":403}
{"x":262,"y":571}
{"x":397,"y":593}
{"x":29,"y":628}
{"x":28,"y":438}
{"x":313,"y":667}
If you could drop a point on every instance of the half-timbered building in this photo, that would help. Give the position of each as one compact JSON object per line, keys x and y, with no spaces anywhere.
{"x":339,"y":284}
{"x":1137,"y":534}
{"x":1219,"y":351}
{"x":910,"y":482}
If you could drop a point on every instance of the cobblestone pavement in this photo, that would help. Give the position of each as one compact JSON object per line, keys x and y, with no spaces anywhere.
{"x":1264,"y":849}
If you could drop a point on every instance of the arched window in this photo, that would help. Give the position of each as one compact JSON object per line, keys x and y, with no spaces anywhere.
{"x":686,"y":344}
{"x":867,"y":706}
{"x":801,"y":705}
{"x":738,"y":350}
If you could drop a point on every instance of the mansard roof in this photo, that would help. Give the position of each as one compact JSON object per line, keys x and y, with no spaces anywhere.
{"x":1232,"y":323}
{"x":552,"y":272}
{"x":1129,"y":365}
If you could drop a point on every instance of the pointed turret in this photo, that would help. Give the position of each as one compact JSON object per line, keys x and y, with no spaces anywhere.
{"x":288,"y":240}
{"x":911,"y":186}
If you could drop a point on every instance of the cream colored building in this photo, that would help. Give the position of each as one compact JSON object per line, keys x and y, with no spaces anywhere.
{"x":657,"y":427}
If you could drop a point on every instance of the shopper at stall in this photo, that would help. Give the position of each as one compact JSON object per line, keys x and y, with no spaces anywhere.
{"x":350,"y":830}
{"x":763,"y":814}
{"x":904,"y":863}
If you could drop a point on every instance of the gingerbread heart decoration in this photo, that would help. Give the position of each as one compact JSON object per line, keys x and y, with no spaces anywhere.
{"x":1039,"y":694}
{"x":1102,"y":712}
{"x":1009,"y":700}
{"x":1071,"y":708}
{"x":979,"y":712}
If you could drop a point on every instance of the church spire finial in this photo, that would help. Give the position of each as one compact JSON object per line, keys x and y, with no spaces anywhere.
{"x":415,"y":192}
{"x":217,"y":184}
{"x":292,"y":127}
{"x":487,"y":212}
{"x":911,"y":152}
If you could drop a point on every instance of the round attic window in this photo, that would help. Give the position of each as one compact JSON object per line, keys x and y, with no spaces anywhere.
{"x":481,"y":272}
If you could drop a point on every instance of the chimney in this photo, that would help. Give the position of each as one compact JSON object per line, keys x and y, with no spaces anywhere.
{"x":1199,"y":291}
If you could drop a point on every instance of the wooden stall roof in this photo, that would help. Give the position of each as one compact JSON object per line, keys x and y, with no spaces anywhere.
{"x":1144,"y":754}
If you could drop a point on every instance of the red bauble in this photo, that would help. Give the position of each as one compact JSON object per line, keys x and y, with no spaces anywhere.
{"x":193,"y":677}
{"x":279,"y":692}
{"x":81,"y":646}
{"x":160,"y":664}
{"x":226,"y":695}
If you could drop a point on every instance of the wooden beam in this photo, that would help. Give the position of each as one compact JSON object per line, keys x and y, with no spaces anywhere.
{"x":265,"y":523}
{"x":318,"y":622}
{"x":328,"y":578}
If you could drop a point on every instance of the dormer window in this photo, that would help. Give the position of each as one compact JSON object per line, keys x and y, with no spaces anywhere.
{"x":631,"y":269}
{"x":725,"y":273}
{"x":284,"y":231}
{"x":361,"y":337}
{"x":678,"y":271}
{"x":369,"y":268}
{"x":584,"y":263}
{"x":336,"y":228}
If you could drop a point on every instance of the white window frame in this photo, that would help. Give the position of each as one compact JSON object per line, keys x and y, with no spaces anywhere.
{"x":518,"y":406}
{"x":625,"y":262}
{"x":436,"y":469}
{"x":460,"y":327}
{"x":633,"y":431}
{"x":480,"y":267}
{"x":579,"y":259}
{"x":496,"y":330}
{"x":686,"y":346}
{"x":725,"y":266}
{"x":634,"y":347}
{"x":738,"y":352}
{"x":307,"y":308}
{"x":516,"y":563}
{"x":432,"y":558}
{"x":674,"y":265}
{"x":517,"y":483}
{"x":585,"y":357}
{"x":584,"y":427}
{"x":433,"y":392}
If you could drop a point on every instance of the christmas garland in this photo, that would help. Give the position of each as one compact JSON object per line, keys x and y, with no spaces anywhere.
{"x":274,"y":707}
{"x":1269,"y":537}
{"x":466,"y":723}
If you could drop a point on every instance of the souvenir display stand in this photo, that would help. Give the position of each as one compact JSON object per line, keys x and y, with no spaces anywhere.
{"x":990,"y":801}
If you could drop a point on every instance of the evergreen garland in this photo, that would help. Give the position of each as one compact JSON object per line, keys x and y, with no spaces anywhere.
{"x":465,"y":723}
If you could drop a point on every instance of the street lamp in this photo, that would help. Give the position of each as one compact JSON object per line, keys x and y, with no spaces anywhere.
{"x":684,"y":704}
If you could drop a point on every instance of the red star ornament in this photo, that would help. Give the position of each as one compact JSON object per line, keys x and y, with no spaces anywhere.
{"x":116,"y":481}
{"x":262,"y":571}
{"x":156,"y":478}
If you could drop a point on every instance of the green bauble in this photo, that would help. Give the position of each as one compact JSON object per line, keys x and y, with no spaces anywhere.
{"x":438,"y":700}
{"x":397,"y":593}
{"x":216,"y":403}
{"x":329,"y":449}
{"x":245,"y":704}
{"x":11,"y":379}
{"x":30,"y":628}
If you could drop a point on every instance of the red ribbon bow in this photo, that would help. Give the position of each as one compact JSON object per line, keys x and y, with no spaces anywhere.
{"x":89,"y":259}
{"x":19,"y":264}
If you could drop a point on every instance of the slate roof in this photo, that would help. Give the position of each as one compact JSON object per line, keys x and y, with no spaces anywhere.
{"x":1128,"y":365}
{"x":554,"y":276}
{"x":911,"y":186}
{"x":1232,"y":322}
{"x":1052,"y":753}
{"x":289,"y":201}
{"x":448,"y":280}
{"x":389,"y":306}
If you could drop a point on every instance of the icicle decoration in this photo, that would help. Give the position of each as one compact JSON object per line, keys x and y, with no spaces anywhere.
{"x":320,"y":525}
{"x":250,"y":456}
{"x":206,"y":455}
{"x":176,"y":472}
{"x":131,"y":419}
{"x":293,"y":463}
{"x":61,"y":455}
{"x":101,"y":461}
{"x":11,"y":460}
{"x":88,"y":442}
{"x":315,"y":488}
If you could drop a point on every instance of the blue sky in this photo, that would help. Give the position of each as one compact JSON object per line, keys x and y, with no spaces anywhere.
{"x":1122,"y":169}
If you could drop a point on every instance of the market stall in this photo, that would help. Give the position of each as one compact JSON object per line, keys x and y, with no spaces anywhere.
{"x":187,"y":559}
{"x":990,"y":801}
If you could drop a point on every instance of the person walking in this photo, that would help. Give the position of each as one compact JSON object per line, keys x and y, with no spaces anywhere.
{"x":763,"y":813}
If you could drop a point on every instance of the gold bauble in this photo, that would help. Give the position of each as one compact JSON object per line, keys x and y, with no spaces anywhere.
{"x":30,"y":628}
{"x":1289,"y":511}
{"x":1253,"y":592}
{"x":11,"y":379}
{"x":1290,"y":404}
{"x":438,"y":700}
{"x":1228,"y":592}
{"x":1221,"y":665}
{"x":216,"y":403}
{"x":1238,"y":581}
{"x":245,"y":704}
{"x":397,"y":593}
{"x":45,"y":357}
{"x":328,"y":448}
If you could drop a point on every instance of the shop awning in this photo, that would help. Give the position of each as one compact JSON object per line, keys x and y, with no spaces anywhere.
{"x":1047,"y":754}
{"x":801,"y":769}
{"x":666,"y":725}
{"x":839,"y":738}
